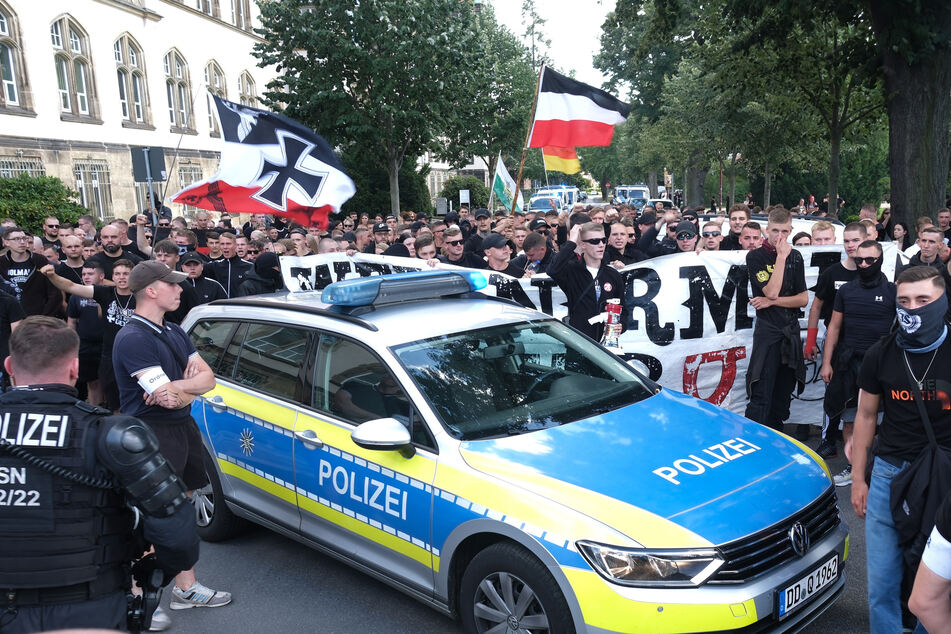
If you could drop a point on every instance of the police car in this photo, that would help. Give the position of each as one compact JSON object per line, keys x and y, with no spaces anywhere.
{"x":500,"y":467}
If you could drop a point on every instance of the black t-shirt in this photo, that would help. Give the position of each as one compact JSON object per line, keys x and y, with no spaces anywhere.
{"x":468,"y":260}
{"x":830,"y":281}
{"x":89,"y":322}
{"x":116,"y":311}
{"x":107,"y":261}
{"x":943,"y":518}
{"x":902,"y":434}
{"x":760,"y":264}
{"x":10,"y":312}
{"x":867,"y":313}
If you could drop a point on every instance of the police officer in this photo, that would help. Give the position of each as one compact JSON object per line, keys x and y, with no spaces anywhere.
{"x":74,"y":483}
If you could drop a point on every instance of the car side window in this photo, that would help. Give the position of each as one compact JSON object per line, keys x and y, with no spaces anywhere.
{"x":269,"y":359}
{"x":210,"y":339}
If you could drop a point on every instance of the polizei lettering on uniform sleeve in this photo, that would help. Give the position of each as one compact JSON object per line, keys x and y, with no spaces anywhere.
{"x":364,"y":490}
{"x":35,"y":430}
{"x":710,"y":458}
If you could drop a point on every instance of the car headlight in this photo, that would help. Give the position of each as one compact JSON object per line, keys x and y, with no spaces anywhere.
{"x":688,"y":567}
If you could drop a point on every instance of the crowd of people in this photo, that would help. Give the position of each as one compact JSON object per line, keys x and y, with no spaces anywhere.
{"x":124,"y":285}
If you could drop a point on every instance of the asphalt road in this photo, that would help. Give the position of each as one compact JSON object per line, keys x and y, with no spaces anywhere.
{"x":280,"y":585}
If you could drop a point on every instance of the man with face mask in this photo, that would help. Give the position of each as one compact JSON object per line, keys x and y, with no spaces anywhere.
{"x":266,"y":277}
{"x":863,"y":313}
{"x":920,"y":348}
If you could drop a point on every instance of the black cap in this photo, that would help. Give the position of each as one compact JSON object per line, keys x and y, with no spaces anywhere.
{"x":538,"y":223}
{"x":452,"y":217}
{"x":493,"y":241}
{"x":191,"y":256}
{"x":416,"y":226}
{"x":381,"y":227}
{"x":647,"y":219}
{"x":685,"y":226}
{"x":481,"y":213}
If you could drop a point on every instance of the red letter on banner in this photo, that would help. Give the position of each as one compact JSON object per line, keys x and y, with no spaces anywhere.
{"x":727,"y":359}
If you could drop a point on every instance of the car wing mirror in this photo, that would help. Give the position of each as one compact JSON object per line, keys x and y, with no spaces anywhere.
{"x":384,"y":434}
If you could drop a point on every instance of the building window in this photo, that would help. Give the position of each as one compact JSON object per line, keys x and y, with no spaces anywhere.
{"x":73,"y":69}
{"x":178,"y":91}
{"x":188,"y":174}
{"x":130,"y":73}
{"x":247,"y":90}
{"x":241,"y":14}
{"x":209,"y":7}
{"x":92,"y":182}
{"x":11,"y":166}
{"x":12,"y":78}
{"x":215,"y":81}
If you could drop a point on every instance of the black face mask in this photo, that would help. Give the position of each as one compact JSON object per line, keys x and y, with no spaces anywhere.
{"x":921,"y":327}
{"x":869,"y":275}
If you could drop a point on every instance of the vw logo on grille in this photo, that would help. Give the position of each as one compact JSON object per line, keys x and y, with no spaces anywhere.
{"x":799,"y":538}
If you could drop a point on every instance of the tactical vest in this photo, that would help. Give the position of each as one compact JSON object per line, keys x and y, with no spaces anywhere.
{"x":54,"y":532}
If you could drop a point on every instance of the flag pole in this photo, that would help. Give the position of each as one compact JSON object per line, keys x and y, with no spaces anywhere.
{"x":545,"y":166}
{"x":528,"y":138}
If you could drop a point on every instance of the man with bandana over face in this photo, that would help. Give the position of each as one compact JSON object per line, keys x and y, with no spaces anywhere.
{"x":920,"y":347}
{"x":266,"y":277}
{"x":863,"y":313}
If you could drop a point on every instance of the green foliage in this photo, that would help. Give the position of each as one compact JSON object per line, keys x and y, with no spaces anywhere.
{"x":478,"y":192}
{"x":385,"y":76}
{"x":372,"y":185}
{"x":30,"y":199}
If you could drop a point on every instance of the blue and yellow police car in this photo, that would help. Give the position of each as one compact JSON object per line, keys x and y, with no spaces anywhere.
{"x":499,"y":466}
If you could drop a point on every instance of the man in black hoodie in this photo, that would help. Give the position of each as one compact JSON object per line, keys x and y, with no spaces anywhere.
{"x":266,"y":277}
{"x":208,"y":290}
{"x":588,"y":281}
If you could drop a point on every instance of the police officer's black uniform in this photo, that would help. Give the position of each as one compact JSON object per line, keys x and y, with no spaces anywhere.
{"x":68,"y":473}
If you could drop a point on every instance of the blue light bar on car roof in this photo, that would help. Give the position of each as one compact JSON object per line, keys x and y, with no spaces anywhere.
{"x":399,"y":287}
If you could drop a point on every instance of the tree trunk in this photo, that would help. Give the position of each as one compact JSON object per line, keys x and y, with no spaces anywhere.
{"x":652,"y":183}
{"x":393,"y":171}
{"x":835,"y":143}
{"x":767,"y":178}
{"x":732,"y":200}
{"x":695,"y":180}
{"x":918,"y":103}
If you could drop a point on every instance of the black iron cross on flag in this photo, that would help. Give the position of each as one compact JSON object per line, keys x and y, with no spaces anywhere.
{"x":291,"y":172}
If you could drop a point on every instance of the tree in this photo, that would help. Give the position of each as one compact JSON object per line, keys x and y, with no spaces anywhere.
{"x":534,"y":33}
{"x":494,"y":120}
{"x":30,"y":199}
{"x":478,"y":192}
{"x":382,"y":75}
{"x":372,"y":183}
{"x":912,"y":42}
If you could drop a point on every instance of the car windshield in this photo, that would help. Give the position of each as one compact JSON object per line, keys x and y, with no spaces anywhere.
{"x":515,"y":378}
{"x":544,"y":203}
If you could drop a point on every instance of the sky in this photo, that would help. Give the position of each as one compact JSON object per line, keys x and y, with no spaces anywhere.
{"x":573,"y":26}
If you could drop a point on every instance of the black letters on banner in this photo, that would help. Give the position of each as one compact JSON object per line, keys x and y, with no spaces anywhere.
{"x":303,"y":277}
{"x":701,"y":288}
{"x":544,"y":286}
{"x":660,"y":335}
{"x":322,"y":278}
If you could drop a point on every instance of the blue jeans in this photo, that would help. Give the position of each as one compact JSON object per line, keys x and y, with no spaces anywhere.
{"x":883,"y":557}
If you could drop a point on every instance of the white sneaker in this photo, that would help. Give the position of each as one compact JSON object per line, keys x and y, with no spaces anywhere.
{"x":844,"y":477}
{"x":160,"y":621}
{"x":198,"y":596}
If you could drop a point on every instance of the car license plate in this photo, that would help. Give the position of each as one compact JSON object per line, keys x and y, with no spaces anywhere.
{"x":799,"y":593}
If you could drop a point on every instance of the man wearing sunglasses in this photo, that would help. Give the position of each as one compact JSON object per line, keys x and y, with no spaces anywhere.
{"x":864,"y":312}
{"x":778,"y":280}
{"x":50,"y":235}
{"x":587,"y":281}
{"x":686,"y":236}
{"x":711,"y":236}
{"x":454,"y":251}
{"x":648,"y":243}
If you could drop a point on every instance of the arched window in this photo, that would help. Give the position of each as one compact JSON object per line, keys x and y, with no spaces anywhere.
{"x":73,"y":68}
{"x":249,"y":96}
{"x":130,"y":73}
{"x":13,"y":93}
{"x":215,"y":81}
{"x":178,"y":91}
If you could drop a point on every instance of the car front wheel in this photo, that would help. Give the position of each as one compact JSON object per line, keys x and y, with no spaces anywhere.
{"x":506,"y":589}
{"x":214,"y":519}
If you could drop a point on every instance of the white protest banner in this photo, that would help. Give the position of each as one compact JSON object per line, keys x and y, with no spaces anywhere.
{"x":690,"y":325}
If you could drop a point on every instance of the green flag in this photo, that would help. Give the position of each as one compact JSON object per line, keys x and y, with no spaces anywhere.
{"x":503,"y":186}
